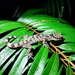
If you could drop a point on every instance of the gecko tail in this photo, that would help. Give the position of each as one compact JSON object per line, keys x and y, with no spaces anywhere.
{"x":11,"y":45}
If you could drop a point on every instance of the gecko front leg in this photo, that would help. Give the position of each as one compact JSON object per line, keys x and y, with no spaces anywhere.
{"x":45,"y":43}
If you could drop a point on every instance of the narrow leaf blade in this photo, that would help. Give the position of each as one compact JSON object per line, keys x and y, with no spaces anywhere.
{"x":52,"y":66}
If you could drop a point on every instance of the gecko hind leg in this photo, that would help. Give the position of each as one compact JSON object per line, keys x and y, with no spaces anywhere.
{"x":29,"y":53}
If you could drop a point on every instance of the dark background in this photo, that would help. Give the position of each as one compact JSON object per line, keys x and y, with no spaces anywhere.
{"x":8,"y":8}
{"x":12,"y":10}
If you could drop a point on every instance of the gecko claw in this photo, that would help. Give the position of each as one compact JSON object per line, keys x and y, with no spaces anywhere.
{"x":30,"y":55}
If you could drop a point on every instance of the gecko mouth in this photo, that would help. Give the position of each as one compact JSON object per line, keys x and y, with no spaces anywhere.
{"x":60,"y":39}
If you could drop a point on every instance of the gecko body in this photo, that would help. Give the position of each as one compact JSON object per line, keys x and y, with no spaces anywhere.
{"x":29,"y":40}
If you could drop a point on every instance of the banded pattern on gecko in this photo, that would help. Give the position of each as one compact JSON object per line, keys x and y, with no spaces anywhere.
{"x":29,"y":40}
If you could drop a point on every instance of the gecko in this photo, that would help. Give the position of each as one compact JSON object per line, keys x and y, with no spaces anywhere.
{"x":29,"y":40}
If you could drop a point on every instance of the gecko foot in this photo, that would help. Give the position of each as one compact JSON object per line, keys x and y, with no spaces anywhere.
{"x":30,"y":55}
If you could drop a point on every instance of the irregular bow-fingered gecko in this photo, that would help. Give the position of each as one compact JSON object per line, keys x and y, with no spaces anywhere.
{"x":29,"y":40}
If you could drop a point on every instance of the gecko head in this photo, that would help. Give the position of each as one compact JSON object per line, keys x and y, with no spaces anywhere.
{"x":58,"y":37}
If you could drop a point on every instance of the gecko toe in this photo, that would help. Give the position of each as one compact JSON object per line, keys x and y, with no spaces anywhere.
{"x":30,"y":55}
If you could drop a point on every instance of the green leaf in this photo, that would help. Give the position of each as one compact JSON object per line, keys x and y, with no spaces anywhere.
{"x":62,"y":7}
{"x":52,"y":66}
{"x":16,"y":32}
{"x":6,"y":26}
{"x":33,"y":19}
{"x":47,"y":7}
{"x":58,"y":8}
{"x":72,"y":57}
{"x":7,"y":64}
{"x":41,"y":65}
{"x":19,"y":64}
{"x":69,"y":71}
{"x":69,"y":7}
{"x":60,"y":70}
{"x":31,"y":12}
{"x":53,"y":7}
{"x":39,"y":62}
{"x":7,"y":52}
{"x":68,"y":48}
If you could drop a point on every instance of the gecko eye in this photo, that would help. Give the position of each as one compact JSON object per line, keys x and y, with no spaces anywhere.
{"x":58,"y":36}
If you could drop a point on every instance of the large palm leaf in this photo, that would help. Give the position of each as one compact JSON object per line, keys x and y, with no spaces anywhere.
{"x":44,"y":62}
{"x":51,"y":7}
{"x":58,"y":8}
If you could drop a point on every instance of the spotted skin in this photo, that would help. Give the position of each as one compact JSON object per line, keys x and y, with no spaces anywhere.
{"x":29,"y":40}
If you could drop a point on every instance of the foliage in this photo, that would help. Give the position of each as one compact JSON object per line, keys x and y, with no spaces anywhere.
{"x":58,"y":6}
{"x":14,"y":61}
{"x":45,"y":62}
